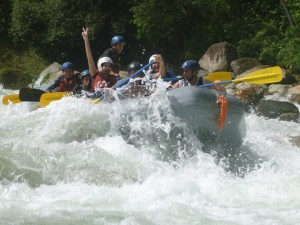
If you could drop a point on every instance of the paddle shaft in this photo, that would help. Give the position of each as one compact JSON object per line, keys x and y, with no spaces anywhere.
{"x":222,"y":76}
{"x":213,"y":84}
{"x":125,"y":81}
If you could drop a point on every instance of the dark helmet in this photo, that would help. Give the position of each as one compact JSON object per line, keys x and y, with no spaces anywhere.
{"x":191,"y":64}
{"x":84,"y":74}
{"x":134,"y":66}
{"x":117,"y":39}
{"x":67,"y":65}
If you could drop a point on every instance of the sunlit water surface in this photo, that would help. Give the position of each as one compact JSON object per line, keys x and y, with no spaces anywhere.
{"x":74,"y":162}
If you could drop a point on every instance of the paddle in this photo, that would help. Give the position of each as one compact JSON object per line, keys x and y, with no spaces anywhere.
{"x":263,"y":76}
{"x":30,"y":94}
{"x":11,"y":98}
{"x":25,"y":94}
{"x":46,"y":98}
{"x":222,"y":76}
{"x":125,"y":80}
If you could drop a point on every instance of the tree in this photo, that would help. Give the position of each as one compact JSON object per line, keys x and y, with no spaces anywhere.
{"x":54,"y":26}
{"x":5,"y":11}
{"x":177,"y":29}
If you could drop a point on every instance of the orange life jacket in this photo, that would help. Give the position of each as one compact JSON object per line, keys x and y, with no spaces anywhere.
{"x":223,"y":104}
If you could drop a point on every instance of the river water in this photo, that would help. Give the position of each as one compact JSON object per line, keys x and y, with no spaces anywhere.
{"x":74,"y":162}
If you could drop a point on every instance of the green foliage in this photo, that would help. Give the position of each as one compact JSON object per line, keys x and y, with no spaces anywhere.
{"x":262,"y":27}
{"x":264,"y":45}
{"x":289,"y":54}
{"x":54,"y":27}
{"x":177,"y":29}
{"x":29,"y":62}
{"x":5,"y":10}
{"x":14,"y":78}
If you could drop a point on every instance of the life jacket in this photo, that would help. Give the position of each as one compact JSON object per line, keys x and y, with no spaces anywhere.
{"x":200,"y":81}
{"x":103,"y":80}
{"x":67,"y":84}
{"x":184,"y":82}
{"x":223,"y":104}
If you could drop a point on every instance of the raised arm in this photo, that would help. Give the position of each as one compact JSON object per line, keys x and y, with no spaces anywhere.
{"x":162,"y":68}
{"x":92,"y":67}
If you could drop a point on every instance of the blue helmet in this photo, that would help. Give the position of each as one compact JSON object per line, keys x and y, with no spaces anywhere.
{"x":67,"y":65}
{"x":117,"y":39}
{"x":85,"y":73}
{"x":191,"y":64}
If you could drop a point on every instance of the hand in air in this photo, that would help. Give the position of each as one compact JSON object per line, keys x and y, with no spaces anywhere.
{"x":85,"y":33}
{"x":158,"y":58}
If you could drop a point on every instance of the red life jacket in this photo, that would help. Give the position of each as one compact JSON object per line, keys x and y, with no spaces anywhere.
{"x":67,"y":84}
{"x":104,"y":80}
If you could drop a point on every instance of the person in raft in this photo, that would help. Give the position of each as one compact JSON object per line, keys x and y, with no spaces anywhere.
{"x":86,"y":83}
{"x":67,"y":81}
{"x":190,"y":70}
{"x":158,"y":68}
{"x":117,"y":46}
{"x":102,"y":74}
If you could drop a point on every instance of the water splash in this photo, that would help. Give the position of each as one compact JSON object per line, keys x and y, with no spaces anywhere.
{"x":74,"y":162}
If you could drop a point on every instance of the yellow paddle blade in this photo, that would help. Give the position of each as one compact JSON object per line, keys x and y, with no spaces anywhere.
{"x":11,"y":98}
{"x":222,"y":76}
{"x":263,"y":76}
{"x":51,"y":96}
{"x":95,"y":101}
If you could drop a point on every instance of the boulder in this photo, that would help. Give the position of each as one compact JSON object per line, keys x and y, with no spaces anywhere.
{"x":278,"y":89}
{"x":250,"y":95}
{"x":294,"y":94}
{"x":294,"y":90}
{"x":48,"y":74}
{"x":241,"y":65}
{"x":218,"y":57}
{"x":295,"y":98}
{"x":283,"y":110}
{"x":289,"y":117}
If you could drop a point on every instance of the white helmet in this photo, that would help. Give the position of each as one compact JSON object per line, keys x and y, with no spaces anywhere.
{"x":104,"y":60}
{"x":152,"y":58}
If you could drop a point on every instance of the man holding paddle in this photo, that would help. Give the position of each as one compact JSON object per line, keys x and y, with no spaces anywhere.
{"x":190,"y":74}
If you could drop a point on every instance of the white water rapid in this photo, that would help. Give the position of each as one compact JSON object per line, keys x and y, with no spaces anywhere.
{"x":74,"y":162}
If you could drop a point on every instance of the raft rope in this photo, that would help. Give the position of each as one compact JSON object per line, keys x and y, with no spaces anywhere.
{"x":223,"y":104}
